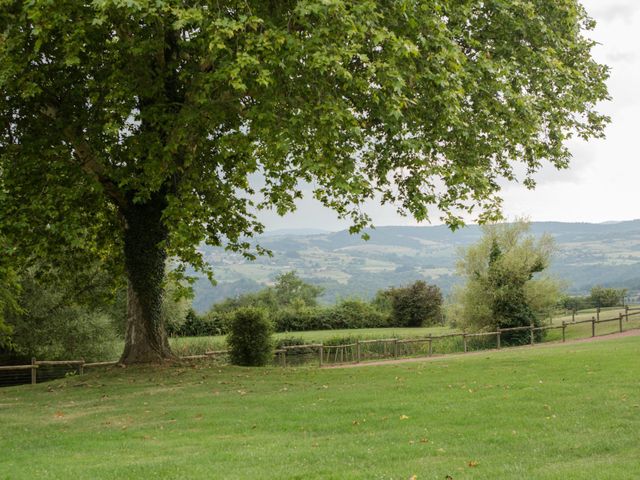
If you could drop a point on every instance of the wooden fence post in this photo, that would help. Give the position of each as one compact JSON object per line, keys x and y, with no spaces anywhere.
{"x":320,"y":354}
{"x":564,"y":328}
{"x":34,"y":376}
{"x":430,"y":345}
{"x":358,"y":351}
{"x":81,"y":368}
{"x":395,"y":348}
{"x":498,"y":334}
{"x":626,"y":312}
{"x":620,"y":322}
{"x":598,"y":313}
{"x":464,"y":341}
{"x":573,"y":315}
{"x":532,"y":334}
{"x":593,"y":326}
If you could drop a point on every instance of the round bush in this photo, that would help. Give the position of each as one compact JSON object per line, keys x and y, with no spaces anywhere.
{"x":249,"y":339}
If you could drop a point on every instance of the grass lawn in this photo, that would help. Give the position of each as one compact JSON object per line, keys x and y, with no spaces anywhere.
{"x":566,"y":411}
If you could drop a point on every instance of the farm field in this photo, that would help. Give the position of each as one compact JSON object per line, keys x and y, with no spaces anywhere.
{"x":565,"y":411}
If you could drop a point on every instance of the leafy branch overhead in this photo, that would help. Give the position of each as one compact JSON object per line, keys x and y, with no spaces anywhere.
{"x":227,"y":106}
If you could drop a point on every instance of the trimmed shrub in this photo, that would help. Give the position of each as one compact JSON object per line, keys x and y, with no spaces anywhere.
{"x":345,"y":315}
{"x":415,"y":305}
{"x":211,"y":324}
{"x":355,"y":314}
{"x":250,"y":340}
{"x":296,"y":320}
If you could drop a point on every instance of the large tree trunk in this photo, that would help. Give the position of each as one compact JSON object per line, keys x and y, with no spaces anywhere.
{"x":145,"y":258}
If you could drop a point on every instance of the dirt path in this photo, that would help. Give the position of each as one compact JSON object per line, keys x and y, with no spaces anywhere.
{"x":611,"y":336}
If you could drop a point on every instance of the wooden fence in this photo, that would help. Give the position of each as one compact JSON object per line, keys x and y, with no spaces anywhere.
{"x":359,"y":351}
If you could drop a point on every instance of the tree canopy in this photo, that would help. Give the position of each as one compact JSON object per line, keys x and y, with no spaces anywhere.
{"x":505,"y":282}
{"x":137,"y":129}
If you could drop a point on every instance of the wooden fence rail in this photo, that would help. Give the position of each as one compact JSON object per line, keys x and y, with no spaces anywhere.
{"x":354,"y":352}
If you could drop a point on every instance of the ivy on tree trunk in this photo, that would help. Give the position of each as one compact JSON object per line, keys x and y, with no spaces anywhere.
{"x":145,"y":257}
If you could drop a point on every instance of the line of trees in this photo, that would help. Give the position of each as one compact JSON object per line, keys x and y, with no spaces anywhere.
{"x":599,"y":297}
{"x":292,"y":304}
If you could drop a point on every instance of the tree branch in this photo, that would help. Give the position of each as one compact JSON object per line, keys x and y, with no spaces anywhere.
{"x":89,"y":162}
{"x":92,"y":167}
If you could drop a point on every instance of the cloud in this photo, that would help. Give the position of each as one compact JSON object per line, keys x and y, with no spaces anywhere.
{"x":621,"y":57}
{"x":618,"y":11}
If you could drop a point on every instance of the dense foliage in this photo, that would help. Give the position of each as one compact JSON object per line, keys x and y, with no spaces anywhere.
{"x":249,"y":339}
{"x":62,"y":316}
{"x":292,"y":305}
{"x":415,"y":305}
{"x":607,"y":297}
{"x":349,"y":313}
{"x":139,"y":129}
{"x":599,"y":297}
{"x":504,"y":282}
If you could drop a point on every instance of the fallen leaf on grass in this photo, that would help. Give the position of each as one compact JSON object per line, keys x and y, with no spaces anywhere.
{"x":424,"y":440}
{"x":58,"y":414}
{"x":404,"y":417}
{"x":413,"y":477}
{"x":473,"y":463}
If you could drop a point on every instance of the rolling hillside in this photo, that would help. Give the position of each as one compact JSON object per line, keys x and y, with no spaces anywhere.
{"x":345,"y":265}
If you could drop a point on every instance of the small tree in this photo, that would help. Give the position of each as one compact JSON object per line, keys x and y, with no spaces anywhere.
{"x":415,"y":305}
{"x":290,"y":289}
{"x":504,"y":287}
{"x":250,"y":340}
{"x":607,"y":297}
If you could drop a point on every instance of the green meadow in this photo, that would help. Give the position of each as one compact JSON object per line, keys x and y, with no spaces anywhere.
{"x":568,"y":411}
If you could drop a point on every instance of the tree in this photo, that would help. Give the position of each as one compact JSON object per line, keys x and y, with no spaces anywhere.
{"x":504,"y":282}
{"x":607,"y":297}
{"x":142,"y":129}
{"x":63,"y":316}
{"x":414,"y":305}
{"x":288,"y":291}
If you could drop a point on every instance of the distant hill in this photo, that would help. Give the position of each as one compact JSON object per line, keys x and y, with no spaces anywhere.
{"x":346,"y":266}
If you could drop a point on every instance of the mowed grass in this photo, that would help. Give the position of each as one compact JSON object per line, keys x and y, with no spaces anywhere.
{"x":567,"y":411}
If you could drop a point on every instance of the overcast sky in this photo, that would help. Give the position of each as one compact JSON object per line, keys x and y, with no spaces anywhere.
{"x":603,"y":182}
